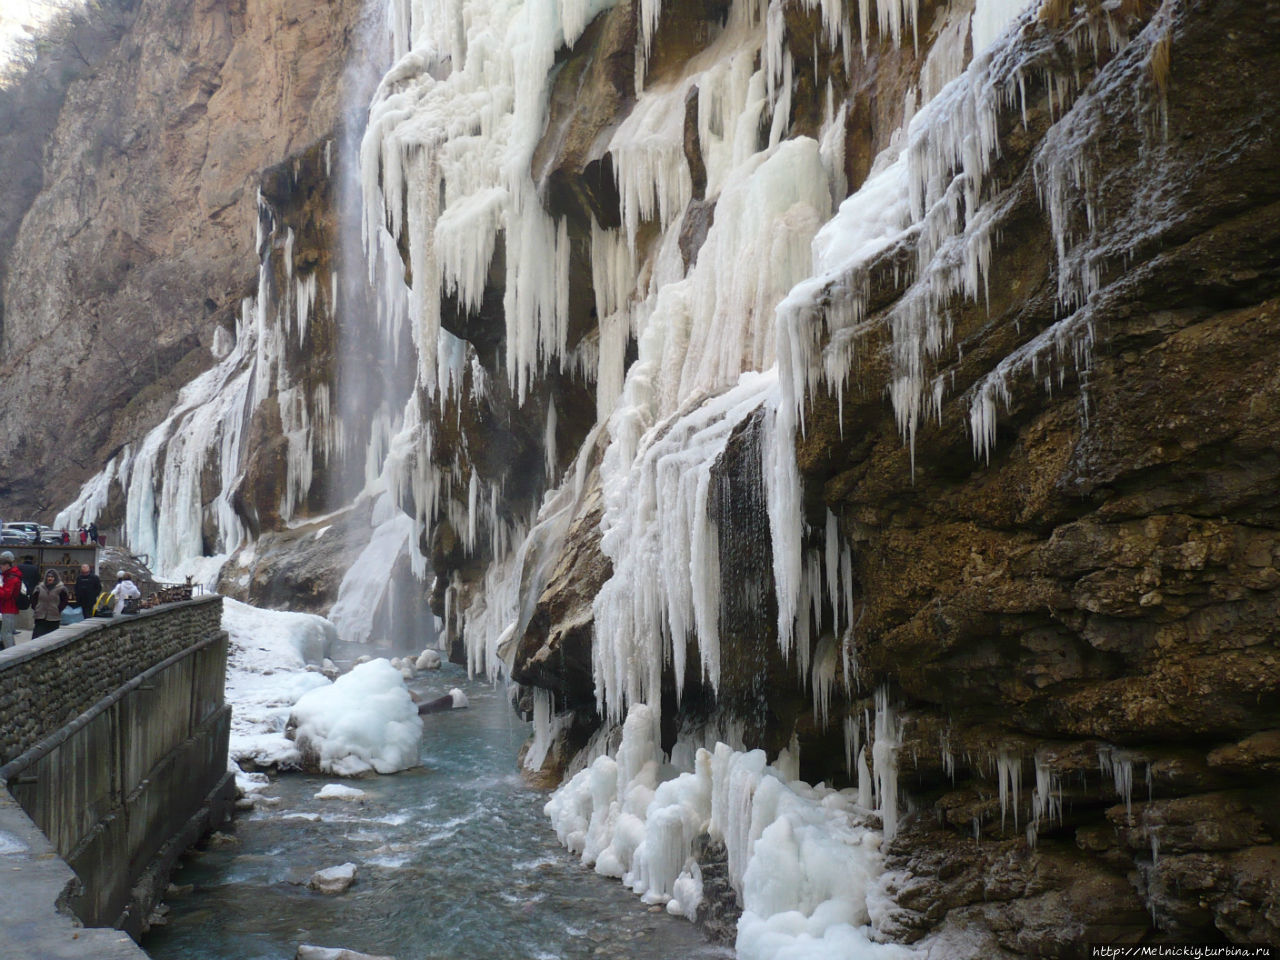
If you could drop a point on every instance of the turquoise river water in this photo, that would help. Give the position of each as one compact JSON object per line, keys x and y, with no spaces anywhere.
{"x":455,"y":859}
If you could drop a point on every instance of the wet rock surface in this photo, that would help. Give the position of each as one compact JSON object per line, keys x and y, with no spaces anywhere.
{"x":333,"y":880}
{"x":299,"y":568}
{"x":719,"y":911}
{"x":307,"y":951}
{"x":1094,"y":605}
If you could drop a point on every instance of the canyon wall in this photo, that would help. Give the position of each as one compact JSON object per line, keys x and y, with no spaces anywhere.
{"x":1062,"y":556}
{"x":140,"y":244}
{"x":779,"y":365}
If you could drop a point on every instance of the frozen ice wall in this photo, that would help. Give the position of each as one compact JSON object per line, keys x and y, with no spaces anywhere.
{"x":369,"y":579}
{"x":298,"y":357}
{"x":804,"y":860}
{"x":446,"y":176}
{"x":771,"y":312}
{"x":446,"y":167}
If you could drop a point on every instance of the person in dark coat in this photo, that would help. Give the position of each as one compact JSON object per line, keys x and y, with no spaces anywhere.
{"x":93,"y":533}
{"x":30,"y":579}
{"x":47,"y":602}
{"x":30,"y":573}
{"x":88,"y":588}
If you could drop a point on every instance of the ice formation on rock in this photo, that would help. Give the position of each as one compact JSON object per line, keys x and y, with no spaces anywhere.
{"x":340,"y":791}
{"x":368,"y":579}
{"x":771,"y":313}
{"x":446,"y":168}
{"x":804,"y":860}
{"x":266,"y":674}
{"x":164,"y":476}
{"x":365,"y":721}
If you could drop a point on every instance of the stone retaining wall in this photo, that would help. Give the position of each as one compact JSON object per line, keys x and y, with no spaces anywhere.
{"x":47,"y":683}
{"x":113,"y":736}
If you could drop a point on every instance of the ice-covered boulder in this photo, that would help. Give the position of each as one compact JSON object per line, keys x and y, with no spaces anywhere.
{"x":428,"y":660}
{"x":340,"y":791}
{"x":269,"y":652}
{"x":365,"y":721}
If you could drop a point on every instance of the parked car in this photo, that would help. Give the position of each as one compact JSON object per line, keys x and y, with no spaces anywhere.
{"x":20,"y":534}
{"x":50,"y":535}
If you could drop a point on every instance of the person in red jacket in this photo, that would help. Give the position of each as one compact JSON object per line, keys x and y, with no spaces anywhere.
{"x":10,"y":587}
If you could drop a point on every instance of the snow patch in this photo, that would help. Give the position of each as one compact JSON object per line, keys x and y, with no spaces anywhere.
{"x":365,"y":721}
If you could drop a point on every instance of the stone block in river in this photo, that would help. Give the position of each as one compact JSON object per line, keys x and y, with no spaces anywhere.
{"x":333,"y":880}
{"x":308,"y":952}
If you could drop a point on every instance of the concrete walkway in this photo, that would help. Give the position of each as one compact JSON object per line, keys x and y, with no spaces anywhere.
{"x":34,"y":878}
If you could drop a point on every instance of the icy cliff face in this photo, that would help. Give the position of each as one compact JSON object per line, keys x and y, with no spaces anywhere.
{"x":871,"y":395}
{"x":275,"y":451}
{"x":770,"y":355}
{"x":129,"y":268}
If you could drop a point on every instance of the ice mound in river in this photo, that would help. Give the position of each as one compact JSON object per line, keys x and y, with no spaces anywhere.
{"x":803,"y":860}
{"x":365,"y":721}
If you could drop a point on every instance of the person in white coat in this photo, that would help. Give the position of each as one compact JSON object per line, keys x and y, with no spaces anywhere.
{"x":125,"y":589}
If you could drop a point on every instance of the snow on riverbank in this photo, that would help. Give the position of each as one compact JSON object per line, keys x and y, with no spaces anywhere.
{"x":804,"y":860}
{"x":266,"y":674}
{"x":364,"y":721}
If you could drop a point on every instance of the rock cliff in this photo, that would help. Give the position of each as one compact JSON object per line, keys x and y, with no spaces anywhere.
{"x":140,"y":245}
{"x":1078,"y":622}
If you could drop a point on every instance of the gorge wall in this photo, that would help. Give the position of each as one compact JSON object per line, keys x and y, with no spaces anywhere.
{"x":177,"y":265}
{"x":890,"y":384}
{"x":140,"y":244}
{"x":1037,"y":461}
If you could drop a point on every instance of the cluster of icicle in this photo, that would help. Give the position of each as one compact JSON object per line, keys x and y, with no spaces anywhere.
{"x":1045,"y":803}
{"x":445,"y":167}
{"x":804,"y":860}
{"x":163,"y":476}
{"x":771,"y":312}
{"x":936,"y":195}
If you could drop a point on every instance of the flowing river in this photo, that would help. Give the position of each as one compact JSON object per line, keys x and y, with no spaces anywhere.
{"x":455,"y":859}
